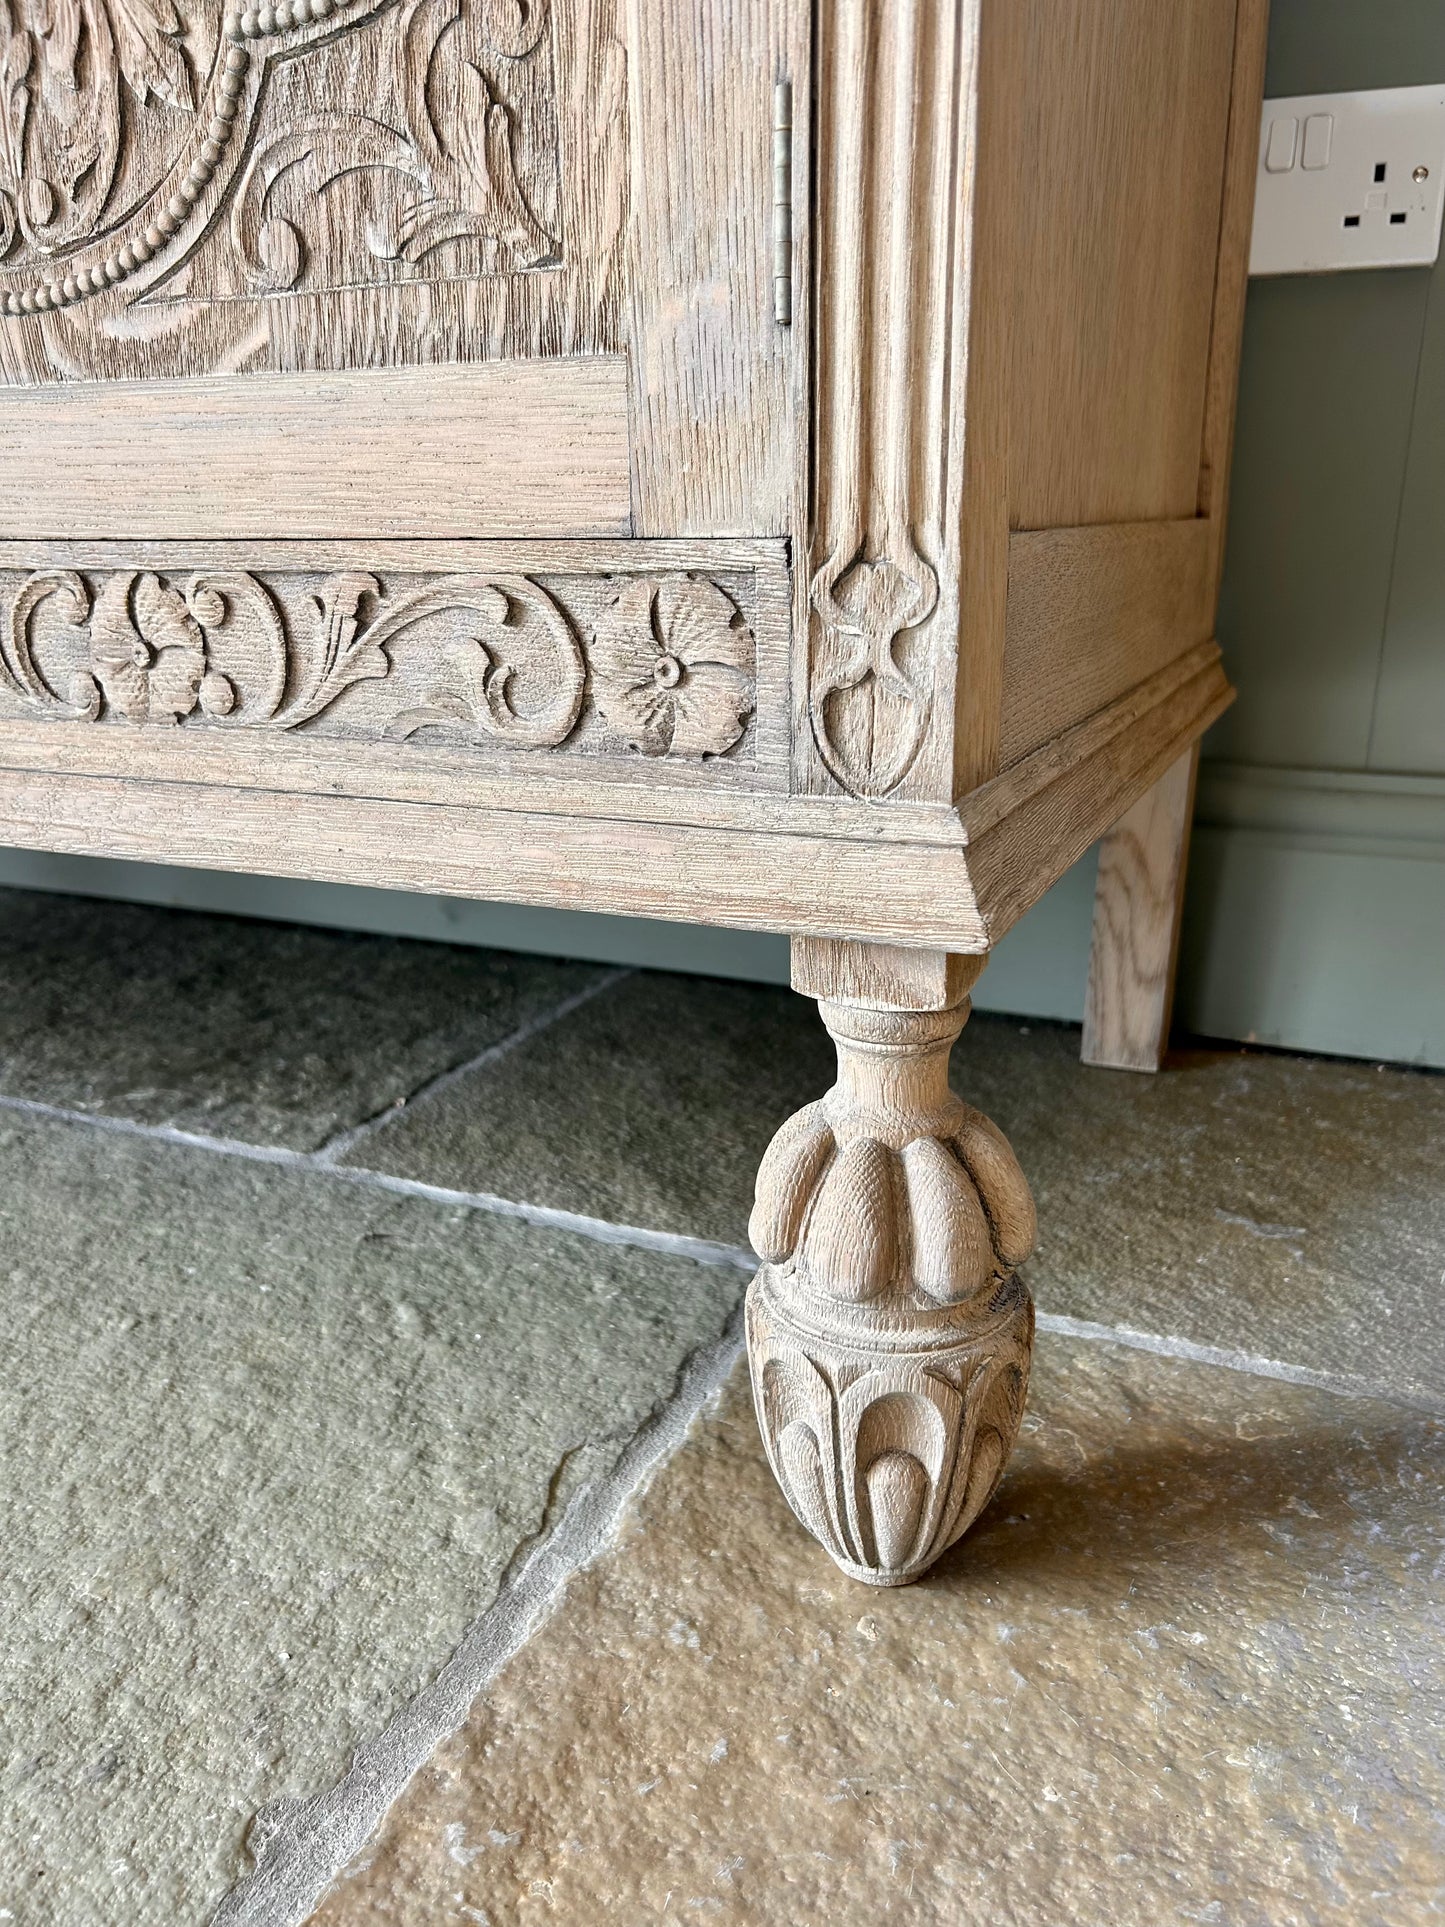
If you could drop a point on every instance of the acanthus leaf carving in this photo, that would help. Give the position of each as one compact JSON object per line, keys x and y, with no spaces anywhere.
{"x":63,"y":71}
{"x":483,"y":671}
{"x":443,"y":170}
{"x":19,"y":671}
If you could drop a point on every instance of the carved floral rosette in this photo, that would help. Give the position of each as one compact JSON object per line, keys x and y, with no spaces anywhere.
{"x":889,"y":1330}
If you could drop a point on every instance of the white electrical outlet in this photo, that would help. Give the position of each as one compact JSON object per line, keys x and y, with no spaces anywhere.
{"x":1350,"y":181}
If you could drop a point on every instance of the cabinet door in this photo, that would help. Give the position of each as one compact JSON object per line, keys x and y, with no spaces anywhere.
{"x":442,"y":267}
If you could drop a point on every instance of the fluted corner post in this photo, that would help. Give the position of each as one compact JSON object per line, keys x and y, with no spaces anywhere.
{"x":888,"y":1328}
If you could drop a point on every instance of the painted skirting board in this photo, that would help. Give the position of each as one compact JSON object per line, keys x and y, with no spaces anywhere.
{"x":1315,"y":917}
{"x":1315,"y":914}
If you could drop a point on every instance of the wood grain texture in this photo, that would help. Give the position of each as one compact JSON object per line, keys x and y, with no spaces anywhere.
{"x":889,"y":1331}
{"x":1226,"y":331}
{"x":598,"y":660}
{"x":1046,"y":812}
{"x":349,"y":183}
{"x":878,"y":657}
{"x":1014,"y":788}
{"x":749,"y":879}
{"x":882,"y":976}
{"x":528,"y":448}
{"x":977,"y":503}
{"x":1138,"y":904}
{"x":1092,"y":612}
{"x":715,"y":375}
{"x":431,"y":662}
{"x":1118,"y":149}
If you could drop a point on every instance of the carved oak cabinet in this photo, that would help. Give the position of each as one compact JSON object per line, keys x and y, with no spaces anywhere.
{"x":747,"y":461}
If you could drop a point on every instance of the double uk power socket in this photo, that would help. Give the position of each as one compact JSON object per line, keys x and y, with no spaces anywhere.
{"x":1350,"y":181}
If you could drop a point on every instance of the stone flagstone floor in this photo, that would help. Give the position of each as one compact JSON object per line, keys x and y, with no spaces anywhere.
{"x":384,"y":1535}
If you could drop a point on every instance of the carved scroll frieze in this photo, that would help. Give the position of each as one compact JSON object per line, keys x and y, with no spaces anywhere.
{"x":350,"y":145}
{"x":889,"y":1331}
{"x":658,"y":664}
{"x":887,"y":129}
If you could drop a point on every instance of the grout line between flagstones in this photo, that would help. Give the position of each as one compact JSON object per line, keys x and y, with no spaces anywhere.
{"x":341,"y":1142}
{"x":1342,"y":1384}
{"x":677,"y":1244}
{"x":302,"y":1845}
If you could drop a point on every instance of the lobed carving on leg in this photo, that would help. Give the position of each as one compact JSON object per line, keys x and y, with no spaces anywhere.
{"x":889,"y":1330}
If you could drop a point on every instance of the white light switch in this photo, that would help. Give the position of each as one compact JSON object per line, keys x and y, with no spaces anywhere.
{"x":1279,"y":148}
{"x":1318,"y":129}
{"x":1350,"y":181}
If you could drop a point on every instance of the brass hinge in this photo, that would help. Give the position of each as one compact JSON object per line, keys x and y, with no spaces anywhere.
{"x":783,"y":203}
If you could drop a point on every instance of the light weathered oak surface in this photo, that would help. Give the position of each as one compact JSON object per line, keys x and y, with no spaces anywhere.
{"x":1120,"y":132}
{"x":527,"y":448}
{"x":624,"y":651}
{"x":1138,"y":902}
{"x":1093,"y":611}
{"x":1241,"y":163}
{"x":349,"y":184}
{"x":889,"y":976}
{"x":1031,"y":823}
{"x":716,"y":378}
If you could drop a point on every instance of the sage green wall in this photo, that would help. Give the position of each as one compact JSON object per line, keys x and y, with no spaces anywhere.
{"x":1316,"y":907}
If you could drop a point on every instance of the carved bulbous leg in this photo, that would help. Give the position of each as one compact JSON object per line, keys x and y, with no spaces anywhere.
{"x":889,"y":1331}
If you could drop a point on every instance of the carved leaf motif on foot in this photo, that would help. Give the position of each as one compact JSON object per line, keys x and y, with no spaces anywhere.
{"x":887,"y":1464}
{"x":869,"y":714}
{"x":673,"y":661}
{"x":889,"y":1329}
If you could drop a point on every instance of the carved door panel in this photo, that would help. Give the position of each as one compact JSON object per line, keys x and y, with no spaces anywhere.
{"x":401,"y":381}
{"x":215,"y":188}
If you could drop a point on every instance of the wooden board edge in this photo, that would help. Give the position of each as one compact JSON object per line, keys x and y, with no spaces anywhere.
{"x":1138,"y":911}
{"x":516,"y":449}
{"x":735,"y":878}
{"x":1226,"y":334}
{"x":1028,"y":848}
{"x":1014,"y":787}
{"x":1093,"y":610}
